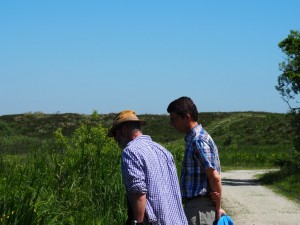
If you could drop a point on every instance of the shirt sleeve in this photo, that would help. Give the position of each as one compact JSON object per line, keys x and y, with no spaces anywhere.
{"x":205,"y":153}
{"x":132,"y":172}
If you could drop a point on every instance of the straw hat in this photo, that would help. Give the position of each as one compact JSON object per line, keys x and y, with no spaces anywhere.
{"x":122,"y":117}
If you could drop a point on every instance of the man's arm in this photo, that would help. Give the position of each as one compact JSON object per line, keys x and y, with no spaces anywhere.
{"x":138,"y":204}
{"x":216,"y":186}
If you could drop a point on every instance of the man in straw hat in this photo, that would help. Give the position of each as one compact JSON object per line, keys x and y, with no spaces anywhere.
{"x":149,"y":174}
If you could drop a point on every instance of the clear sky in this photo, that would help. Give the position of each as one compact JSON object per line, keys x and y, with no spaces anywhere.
{"x":73,"y":56}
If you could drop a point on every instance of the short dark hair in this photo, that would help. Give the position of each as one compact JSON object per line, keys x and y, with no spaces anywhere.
{"x":183,"y":106}
{"x":133,"y":126}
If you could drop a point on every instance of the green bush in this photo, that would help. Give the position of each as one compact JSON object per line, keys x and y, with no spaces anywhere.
{"x":6,"y":129}
{"x":77,"y":181}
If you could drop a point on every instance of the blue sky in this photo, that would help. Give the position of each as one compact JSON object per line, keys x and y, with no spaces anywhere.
{"x":79,"y":56}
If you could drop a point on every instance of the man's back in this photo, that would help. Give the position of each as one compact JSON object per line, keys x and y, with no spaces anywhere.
{"x":149,"y":168}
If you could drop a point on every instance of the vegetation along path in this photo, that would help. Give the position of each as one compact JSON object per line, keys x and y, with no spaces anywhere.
{"x":249,"y":203}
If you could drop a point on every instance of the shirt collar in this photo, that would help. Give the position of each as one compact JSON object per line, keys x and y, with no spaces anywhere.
{"x":142,"y":137}
{"x":192,"y":133}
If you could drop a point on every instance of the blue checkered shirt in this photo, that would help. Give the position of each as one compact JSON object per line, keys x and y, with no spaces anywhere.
{"x":148,"y":167}
{"x":201,"y":153}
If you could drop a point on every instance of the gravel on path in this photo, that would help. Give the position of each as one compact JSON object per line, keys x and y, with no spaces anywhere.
{"x":249,"y":203}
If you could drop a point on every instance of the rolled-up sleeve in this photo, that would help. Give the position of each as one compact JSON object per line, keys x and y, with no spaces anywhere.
{"x":133,"y":173}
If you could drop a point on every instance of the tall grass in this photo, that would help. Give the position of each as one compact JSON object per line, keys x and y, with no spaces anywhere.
{"x":19,"y":144}
{"x":76,"y":181}
{"x":251,"y":157}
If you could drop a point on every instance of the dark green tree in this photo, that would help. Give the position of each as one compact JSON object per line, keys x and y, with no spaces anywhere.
{"x":289,"y":88}
{"x":289,"y":81}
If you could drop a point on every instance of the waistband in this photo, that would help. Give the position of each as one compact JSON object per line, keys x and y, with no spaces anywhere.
{"x":185,"y":200}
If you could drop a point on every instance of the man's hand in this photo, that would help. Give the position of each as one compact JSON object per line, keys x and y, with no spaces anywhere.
{"x":214,"y":196}
{"x":219,"y":213}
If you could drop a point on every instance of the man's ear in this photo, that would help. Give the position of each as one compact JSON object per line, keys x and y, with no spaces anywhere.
{"x":188,"y":117}
{"x":124,"y":129}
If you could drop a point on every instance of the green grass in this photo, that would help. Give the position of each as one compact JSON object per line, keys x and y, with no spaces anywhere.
{"x":283,"y":183}
{"x":252,"y":157}
{"x":62,"y":169}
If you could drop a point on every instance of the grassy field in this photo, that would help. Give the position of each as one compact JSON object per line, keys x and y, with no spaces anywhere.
{"x":62,"y":169}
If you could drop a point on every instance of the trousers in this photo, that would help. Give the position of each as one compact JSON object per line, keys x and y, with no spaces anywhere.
{"x":200,"y":211}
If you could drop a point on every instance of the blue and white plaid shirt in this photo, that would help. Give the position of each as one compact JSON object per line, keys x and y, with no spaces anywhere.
{"x":201,"y":153}
{"x":148,"y":167}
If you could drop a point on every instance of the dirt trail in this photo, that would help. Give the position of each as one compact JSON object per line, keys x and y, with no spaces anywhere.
{"x":251,"y":204}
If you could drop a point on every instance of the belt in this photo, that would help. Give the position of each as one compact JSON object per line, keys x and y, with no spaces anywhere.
{"x":185,"y":200}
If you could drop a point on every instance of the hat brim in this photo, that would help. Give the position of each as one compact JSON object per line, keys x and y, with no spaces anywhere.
{"x":111,"y":130}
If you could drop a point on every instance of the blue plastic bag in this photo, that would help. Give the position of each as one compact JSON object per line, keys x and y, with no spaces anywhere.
{"x":225,"y":220}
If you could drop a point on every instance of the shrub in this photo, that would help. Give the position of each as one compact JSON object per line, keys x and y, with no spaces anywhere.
{"x":76,"y":181}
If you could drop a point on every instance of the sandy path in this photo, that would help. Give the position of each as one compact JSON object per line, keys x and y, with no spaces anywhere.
{"x":251,"y":204}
